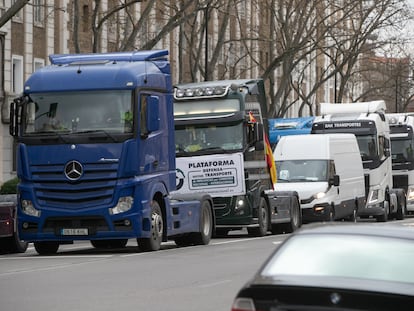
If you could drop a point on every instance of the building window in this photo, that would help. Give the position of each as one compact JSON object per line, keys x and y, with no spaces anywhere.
{"x":17,"y":74}
{"x":38,"y":15}
{"x":18,"y":15}
{"x":38,"y":63}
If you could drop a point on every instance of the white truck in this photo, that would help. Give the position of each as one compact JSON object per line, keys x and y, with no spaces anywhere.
{"x":326,"y":171}
{"x":402,"y":150}
{"x":367,"y":121}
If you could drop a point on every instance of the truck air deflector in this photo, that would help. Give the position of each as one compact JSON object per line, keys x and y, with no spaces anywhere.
{"x":136,"y":56}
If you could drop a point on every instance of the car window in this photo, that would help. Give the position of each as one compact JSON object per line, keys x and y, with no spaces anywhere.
{"x":366,"y":257}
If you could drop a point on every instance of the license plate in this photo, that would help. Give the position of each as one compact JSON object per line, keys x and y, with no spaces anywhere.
{"x":74,"y":231}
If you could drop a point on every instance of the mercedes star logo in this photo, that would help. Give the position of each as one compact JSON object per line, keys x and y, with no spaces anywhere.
{"x":73,"y":170}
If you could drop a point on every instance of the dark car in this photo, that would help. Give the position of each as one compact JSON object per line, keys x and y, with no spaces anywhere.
{"x":336,"y":267}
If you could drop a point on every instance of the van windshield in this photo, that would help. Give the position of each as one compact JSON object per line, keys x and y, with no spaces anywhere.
{"x":302,"y":171}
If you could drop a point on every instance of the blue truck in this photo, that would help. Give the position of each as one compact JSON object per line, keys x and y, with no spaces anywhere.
{"x":96,"y":155}
{"x":289,"y":126}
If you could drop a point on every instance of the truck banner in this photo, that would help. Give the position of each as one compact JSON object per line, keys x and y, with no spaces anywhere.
{"x":218,"y":175}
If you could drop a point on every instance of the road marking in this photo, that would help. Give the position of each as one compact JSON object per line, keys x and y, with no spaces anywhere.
{"x":214,"y":284}
{"x":57,"y":256}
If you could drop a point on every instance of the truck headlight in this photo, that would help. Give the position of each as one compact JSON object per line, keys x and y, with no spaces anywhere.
{"x":28,"y":208}
{"x":240,"y":206}
{"x":124,"y":204}
{"x":373,"y":196}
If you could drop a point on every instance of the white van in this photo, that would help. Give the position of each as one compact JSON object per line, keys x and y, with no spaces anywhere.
{"x":326,"y":171}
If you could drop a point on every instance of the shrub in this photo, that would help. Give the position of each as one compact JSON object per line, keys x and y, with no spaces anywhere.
{"x":10,"y":186}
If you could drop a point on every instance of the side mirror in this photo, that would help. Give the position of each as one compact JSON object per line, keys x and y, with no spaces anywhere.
{"x":153,"y":116}
{"x":387,"y":148}
{"x":258,"y":129}
{"x":334,"y":180}
{"x":15,"y":106}
{"x":255,"y":133}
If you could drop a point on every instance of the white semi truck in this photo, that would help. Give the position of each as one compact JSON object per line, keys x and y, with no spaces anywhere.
{"x":402,"y":150}
{"x":367,"y":120}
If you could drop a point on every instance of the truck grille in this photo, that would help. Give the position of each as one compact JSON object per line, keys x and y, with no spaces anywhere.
{"x":96,"y":185}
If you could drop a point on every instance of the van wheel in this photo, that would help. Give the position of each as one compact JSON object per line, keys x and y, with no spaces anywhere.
{"x":263,"y":220}
{"x":331,"y":214}
{"x":354,"y":215}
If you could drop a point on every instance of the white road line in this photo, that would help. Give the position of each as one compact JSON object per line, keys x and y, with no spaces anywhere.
{"x":214,"y":284}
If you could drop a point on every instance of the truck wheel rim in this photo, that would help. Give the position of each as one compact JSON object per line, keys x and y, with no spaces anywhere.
{"x":157,"y":226}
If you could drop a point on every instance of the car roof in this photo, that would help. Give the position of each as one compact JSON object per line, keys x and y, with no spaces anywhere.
{"x":368,"y":229}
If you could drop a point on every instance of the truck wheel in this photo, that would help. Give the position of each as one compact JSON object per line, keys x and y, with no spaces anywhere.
{"x":402,"y":207}
{"x":206,"y":229}
{"x":295,"y":218}
{"x":263,"y":220}
{"x":206,"y":225}
{"x":46,"y":248}
{"x":108,"y":244}
{"x":153,"y":243}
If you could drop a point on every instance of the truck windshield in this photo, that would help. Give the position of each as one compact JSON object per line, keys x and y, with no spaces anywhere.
{"x":77,"y":112}
{"x":208,"y":137}
{"x":302,"y":171}
{"x":402,"y":150}
{"x":368,"y":147}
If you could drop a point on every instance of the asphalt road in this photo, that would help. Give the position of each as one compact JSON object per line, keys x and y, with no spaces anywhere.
{"x":80,"y":277}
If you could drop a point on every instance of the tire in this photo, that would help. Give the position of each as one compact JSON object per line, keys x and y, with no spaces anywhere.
{"x":109,"y":244}
{"x":206,"y":225}
{"x":294,"y":223}
{"x":263,"y":220}
{"x":354,"y":217}
{"x":206,"y":229}
{"x":384,"y":217}
{"x":46,"y":248}
{"x":402,"y":207}
{"x":295,"y":219}
{"x":331,"y":214}
{"x":153,"y":243}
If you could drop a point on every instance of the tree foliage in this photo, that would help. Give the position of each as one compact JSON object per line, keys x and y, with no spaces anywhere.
{"x":306,"y":51}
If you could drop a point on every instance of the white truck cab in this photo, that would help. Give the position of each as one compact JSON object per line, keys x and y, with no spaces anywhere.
{"x":402,"y":152}
{"x":367,"y":121}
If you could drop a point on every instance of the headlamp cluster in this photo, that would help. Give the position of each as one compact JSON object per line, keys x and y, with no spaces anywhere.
{"x":201,"y":92}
